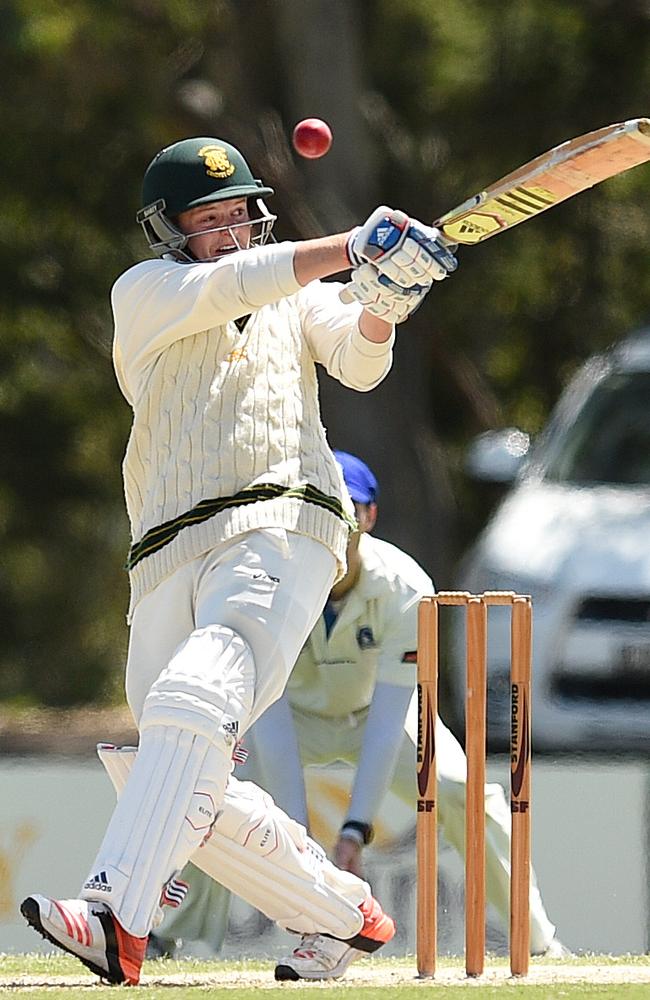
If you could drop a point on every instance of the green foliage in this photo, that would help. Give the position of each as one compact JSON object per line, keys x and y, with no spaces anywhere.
{"x":455,"y":95}
{"x":487,"y":86}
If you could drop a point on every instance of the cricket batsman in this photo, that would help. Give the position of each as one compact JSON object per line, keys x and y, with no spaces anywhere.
{"x":240,"y":521}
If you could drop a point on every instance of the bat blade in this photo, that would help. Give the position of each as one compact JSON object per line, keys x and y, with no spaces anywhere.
{"x":548,"y":180}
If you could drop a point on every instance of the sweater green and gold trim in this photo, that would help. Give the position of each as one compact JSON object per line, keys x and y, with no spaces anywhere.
{"x":156,"y":538}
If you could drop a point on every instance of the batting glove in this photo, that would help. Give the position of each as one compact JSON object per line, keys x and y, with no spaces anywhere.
{"x":405,"y":250}
{"x":381,"y":296}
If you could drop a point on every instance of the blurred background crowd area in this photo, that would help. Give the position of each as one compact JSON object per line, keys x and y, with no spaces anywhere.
{"x":428,"y":103}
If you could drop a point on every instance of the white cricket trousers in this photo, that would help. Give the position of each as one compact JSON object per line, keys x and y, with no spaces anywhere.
{"x":269,"y":586}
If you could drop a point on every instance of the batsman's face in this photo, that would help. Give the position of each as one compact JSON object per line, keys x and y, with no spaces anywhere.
{"x":216,"y":229}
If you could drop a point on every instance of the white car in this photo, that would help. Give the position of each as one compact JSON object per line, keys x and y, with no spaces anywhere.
{"x":574,"y":532}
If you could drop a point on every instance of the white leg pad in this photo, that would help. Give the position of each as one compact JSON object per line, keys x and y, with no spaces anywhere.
{"x":191,"y":718}
{"x":166,"y":809}
{"x":207,"y":686}
{"x":265,"y":857}
{"x":256,"y":851}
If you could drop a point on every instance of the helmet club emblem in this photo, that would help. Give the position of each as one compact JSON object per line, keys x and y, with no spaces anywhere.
{"x":216,"y":161}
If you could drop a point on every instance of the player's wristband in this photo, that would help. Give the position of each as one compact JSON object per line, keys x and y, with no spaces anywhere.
{"x":363,"y":833}
{"x":354,"y":258}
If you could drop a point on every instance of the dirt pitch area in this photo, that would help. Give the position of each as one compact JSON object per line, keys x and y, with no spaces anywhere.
{"x":361,"y":975}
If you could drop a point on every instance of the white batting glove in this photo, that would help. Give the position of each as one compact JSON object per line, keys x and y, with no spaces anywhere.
{"x":406,"y":250}
{"x":379,"y":295}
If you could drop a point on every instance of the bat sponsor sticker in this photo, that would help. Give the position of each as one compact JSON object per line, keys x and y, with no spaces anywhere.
{"x":498,"y":213}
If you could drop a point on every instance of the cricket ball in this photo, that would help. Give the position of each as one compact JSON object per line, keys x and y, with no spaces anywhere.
{"x":312,"y":138}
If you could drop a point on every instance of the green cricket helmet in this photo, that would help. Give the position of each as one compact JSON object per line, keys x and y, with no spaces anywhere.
{"x":197,"y":172}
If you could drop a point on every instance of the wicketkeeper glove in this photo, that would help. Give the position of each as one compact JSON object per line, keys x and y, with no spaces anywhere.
{"x":381,"y":296}
{"x":402,"y":248}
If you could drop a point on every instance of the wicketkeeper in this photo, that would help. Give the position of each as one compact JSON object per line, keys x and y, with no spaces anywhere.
{"x":240,"y":521}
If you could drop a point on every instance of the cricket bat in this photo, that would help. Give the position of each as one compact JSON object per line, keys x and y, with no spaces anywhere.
{"x":547,"y":180}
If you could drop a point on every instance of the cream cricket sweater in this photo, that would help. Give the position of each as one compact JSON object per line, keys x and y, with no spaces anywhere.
{"x":226,"y":433}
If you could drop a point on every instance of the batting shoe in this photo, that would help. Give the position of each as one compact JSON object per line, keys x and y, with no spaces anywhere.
{"x":90,"y":932}
{"x":319,"y":956}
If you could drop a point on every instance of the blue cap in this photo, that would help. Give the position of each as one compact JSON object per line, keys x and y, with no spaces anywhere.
{"x":361,"y":484}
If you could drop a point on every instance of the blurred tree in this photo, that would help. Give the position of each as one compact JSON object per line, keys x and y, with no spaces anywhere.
{"x":429,"y":103}
{"x":79,"y":117}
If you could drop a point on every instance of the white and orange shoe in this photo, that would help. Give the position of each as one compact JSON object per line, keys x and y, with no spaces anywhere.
{"x":319,"y":956}
{"x":90,"y":932}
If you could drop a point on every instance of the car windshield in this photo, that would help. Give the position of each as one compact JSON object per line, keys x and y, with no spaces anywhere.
{"x":610,"y":439}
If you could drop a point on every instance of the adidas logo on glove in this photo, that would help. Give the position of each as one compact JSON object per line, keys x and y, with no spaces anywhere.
{"x":383,"y":232}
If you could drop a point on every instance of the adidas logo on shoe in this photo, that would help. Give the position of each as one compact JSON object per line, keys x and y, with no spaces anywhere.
{"x":99,"y":883}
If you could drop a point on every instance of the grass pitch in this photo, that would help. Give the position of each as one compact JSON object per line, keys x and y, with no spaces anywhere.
{"x":47,"y":977}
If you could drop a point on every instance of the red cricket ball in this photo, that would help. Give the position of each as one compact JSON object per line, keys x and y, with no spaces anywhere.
{"x":312,"y":138}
